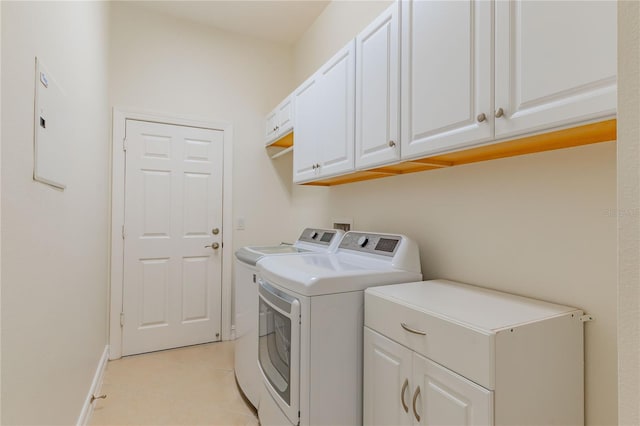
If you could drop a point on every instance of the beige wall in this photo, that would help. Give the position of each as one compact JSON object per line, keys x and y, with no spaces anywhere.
{"x":340,"y":22}
{"x":541,"y":225}
{"x":629,"y":212}
{"x":166,"y":65}
{"x":54,"y":262}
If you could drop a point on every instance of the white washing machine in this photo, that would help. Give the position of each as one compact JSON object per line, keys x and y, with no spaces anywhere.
{"x":311,"y":326}
{"x":248,"y":375}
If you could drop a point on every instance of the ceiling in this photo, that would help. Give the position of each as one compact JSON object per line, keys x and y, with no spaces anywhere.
{"x":276,"y":21}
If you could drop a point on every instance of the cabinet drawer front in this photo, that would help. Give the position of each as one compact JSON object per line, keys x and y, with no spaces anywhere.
{"x":469,"y":352}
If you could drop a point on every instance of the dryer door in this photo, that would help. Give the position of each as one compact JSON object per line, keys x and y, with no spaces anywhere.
{"x":279,"y":347}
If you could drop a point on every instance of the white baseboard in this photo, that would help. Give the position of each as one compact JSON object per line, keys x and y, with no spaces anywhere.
{"x":96,"y":385}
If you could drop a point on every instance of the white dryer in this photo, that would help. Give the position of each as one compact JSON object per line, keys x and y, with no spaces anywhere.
{"x":311,"y":326}
{"x":311,"y":240}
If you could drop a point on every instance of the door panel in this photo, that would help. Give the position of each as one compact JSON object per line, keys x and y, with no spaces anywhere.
{"x":556,"y":63}
{"x":378,"y":91}
{"x":337,"y":93}
{"x":446,"y":398}
{"x":387,"y":366}
{"x":307,"y":135}
{"x":173,"y":199}
{"x":447,"y":56}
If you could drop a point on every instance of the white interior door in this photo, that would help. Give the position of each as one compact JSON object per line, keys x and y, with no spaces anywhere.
{"x":173,"y":209}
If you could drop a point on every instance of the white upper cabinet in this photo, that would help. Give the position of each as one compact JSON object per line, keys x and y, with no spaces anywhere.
{"x":279,"y":122}
{"x":325,"y":115}
{"x":307,"y":134}
{"x":271,"y":130}
{"x":285,"y":116}
{"x":378,"y":91}
{"x":555,"y":63}
{"x":447,"y":91}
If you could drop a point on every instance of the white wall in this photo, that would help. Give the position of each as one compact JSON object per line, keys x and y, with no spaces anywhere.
{"x":629,"y":212}
{"x":0,"y":214}
{"x":541,"y":225}
{"x":170,"y":66}
{"x":54,"y":262}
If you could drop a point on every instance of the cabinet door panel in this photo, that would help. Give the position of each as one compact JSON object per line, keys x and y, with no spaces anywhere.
{"x":270,"y":129}
{"x":447,"y":58}
{"x":285,"y":116}
{"x":445,"y":398}
{"x":336,"y":120}
{"x":378,"y":91}
{"x":555,"y":63}
{"x":307,"y":112}
{"x":387,"y":365}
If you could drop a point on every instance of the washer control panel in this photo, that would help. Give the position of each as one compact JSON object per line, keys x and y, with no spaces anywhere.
{"x":318,"y":236}
{"x":381,"y":244}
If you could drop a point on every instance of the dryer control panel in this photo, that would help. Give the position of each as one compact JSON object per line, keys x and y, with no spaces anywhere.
{"x":380,"y":244}
{"x":318,"y":236}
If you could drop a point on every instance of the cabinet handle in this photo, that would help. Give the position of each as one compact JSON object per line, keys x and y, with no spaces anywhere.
{"x":415,"y":397}
{"x":413,"y":330}
{"x":499,"y":112}
{"x":481,"y":117}
{"x":402,"y":392}
{"x":392,"y":144}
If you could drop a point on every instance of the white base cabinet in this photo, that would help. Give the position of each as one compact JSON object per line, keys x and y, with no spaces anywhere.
{"x":437,"y":396}
{"x":445,"y":353}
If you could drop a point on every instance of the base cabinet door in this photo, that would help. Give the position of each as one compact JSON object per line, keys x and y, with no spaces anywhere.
{"x":402,"y":387}
{"x":442,"y":397}
{"x":556,"y":64}
{"x":387,"y":372}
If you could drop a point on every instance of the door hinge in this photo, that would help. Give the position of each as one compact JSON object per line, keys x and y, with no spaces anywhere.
{"x":123,"y":232}
{"x":121,"y":319}
{"x":124,"y":144}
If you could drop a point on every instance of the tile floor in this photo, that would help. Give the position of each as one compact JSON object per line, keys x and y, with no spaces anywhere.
{"x":185,"y":386}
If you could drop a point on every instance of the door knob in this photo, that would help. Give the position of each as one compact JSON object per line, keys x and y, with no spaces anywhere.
{"x":214,"y":246}
{"x":215,"y":231}
{"x":392,"y":144}
{"x":481,"y":117}
{"x":499,"y":112}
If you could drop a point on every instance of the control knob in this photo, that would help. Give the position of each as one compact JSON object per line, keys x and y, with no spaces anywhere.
{"x":362,"y":241}
{"x":314,"y":235}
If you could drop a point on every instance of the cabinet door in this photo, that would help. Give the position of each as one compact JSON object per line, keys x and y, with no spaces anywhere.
{"x":307,"y":112}
{"x":285,"y":116}
{"x":387,"y":387}
{"x":270,"y":132}
{"x":337,"y":116}
{"x":378,"y":91}
{"x":446,"y":398}
{"x":555,"y":63}
{"x":447,"y":59}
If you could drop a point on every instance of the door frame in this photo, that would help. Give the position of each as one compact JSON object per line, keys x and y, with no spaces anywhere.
{"x":116,"y":267}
